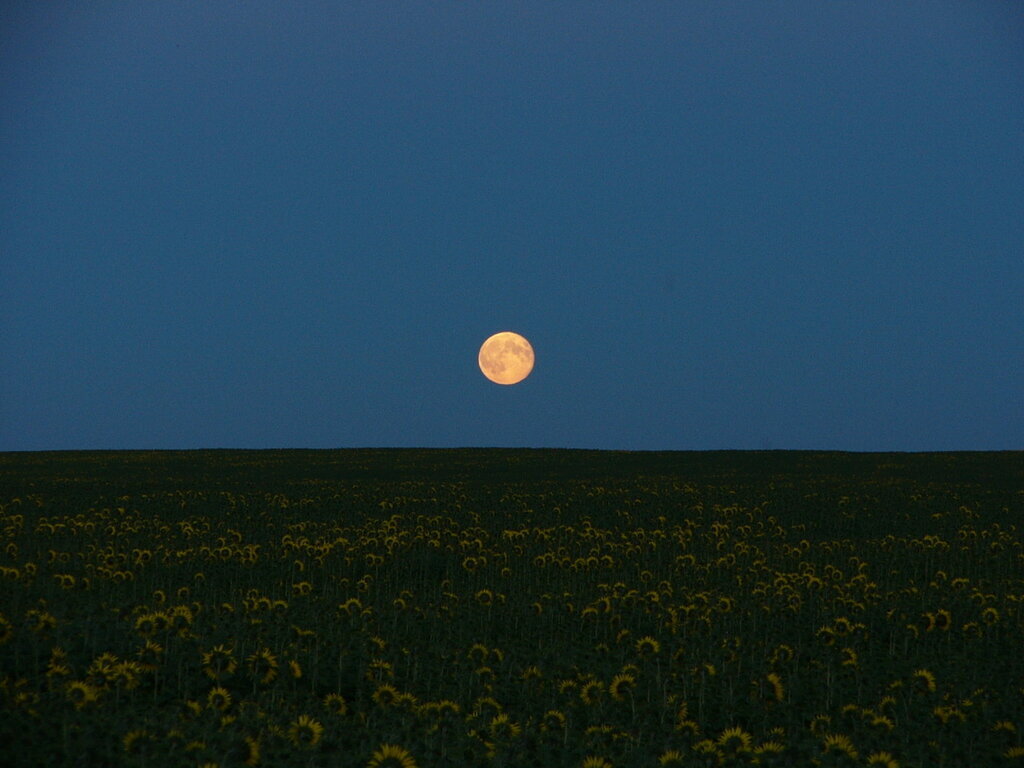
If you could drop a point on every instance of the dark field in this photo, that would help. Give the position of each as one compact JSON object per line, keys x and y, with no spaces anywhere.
{"x":486,"y":607}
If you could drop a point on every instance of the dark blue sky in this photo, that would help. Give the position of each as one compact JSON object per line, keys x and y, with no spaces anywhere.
{"x":721,"y":225}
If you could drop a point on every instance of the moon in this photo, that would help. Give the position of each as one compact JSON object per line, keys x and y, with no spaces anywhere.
{"x":506,"y":358}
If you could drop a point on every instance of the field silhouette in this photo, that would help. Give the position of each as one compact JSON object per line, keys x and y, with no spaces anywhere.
{"x":511,"y":607}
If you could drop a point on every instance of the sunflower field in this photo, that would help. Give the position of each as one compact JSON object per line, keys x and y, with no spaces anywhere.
{"x":419,"y":608}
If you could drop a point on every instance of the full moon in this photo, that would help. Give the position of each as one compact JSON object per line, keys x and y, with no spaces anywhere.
{"x":506,"y":358}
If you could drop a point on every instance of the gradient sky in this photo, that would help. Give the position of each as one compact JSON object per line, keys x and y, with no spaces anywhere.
{"x":721,"y":225}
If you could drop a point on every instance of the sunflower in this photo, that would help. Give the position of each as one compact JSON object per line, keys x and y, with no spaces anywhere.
{"x":971,"y":629}
{"x":883,"y":759}
{"x":149,"y":655}
{"x":567,"y":686}
{"x":486,"y":706}
{"x":67,"y":580}
{"x":836,"y":743}
{"x":768,"y":748}
{"x":448,"y":707}
{"x":42,"y":621}
{"x":690,"y":727}
{"x":945,"y":714}
{"x":136,"y":741}
{"x":621,"y":686}
{"x":57,"y":669}
{"x":263,"y":664}
{"x":219,"y":662}
{"x":531,"y":673}
{"x":6,"y":629}
{"x":102,"y":667}
{"x":305,"y":732}
{"x":385,"y":695}
{"x":670,"y":757}
{"x":378,"y":669}
{"x":406,"y":701}
{"x":595,"y":762}
{"x":990,"y":616}
{"x":882,"y":721}
{"x":182,"y":617}
{"x":503,"y":729}
{"x":218,"y":698}
{"x":441,"y":714}
{"x":336,"y":703}
{"x":81,"y":694}
{"x":592,"y":691}
{"x":734,"y":740}
{"x":684,"y":709}
{"x":295,"y":668}
{"x":647,"y":646}
{"x":924,"y":680}
{"x":391,"y":756}
{"x":125,"y":674}
{"x":827,"y":635}
{"x":553,"y":720}
{"x":484,"y":674}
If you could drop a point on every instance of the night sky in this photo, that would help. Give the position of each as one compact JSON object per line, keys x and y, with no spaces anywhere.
{"x":755,"y":225}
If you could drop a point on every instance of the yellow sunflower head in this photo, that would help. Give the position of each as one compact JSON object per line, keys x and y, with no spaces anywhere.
{"x":81,"y":694}
{"x":218,"y":698}
{"x":883,"y":759}
{"x":621,"y":686}
{"x":553,"y":720}
{"x":648,"y":646}
{"x":502,"y":728}
{"x":305,"y":732}
{"x":592,"y":691}
{"x":263,"y":665}
{"x":336,"y":703}
{"x":671,"y":758}
{"x":385,"y":695}
{"x":135,"y":742}
{"x":924,"y":680}
{"x":837,"y":744}
{"x":391,"y":756}
{"x":734,"y":740}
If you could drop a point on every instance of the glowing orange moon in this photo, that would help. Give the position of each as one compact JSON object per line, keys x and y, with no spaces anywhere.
{"x":506,"y":358}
